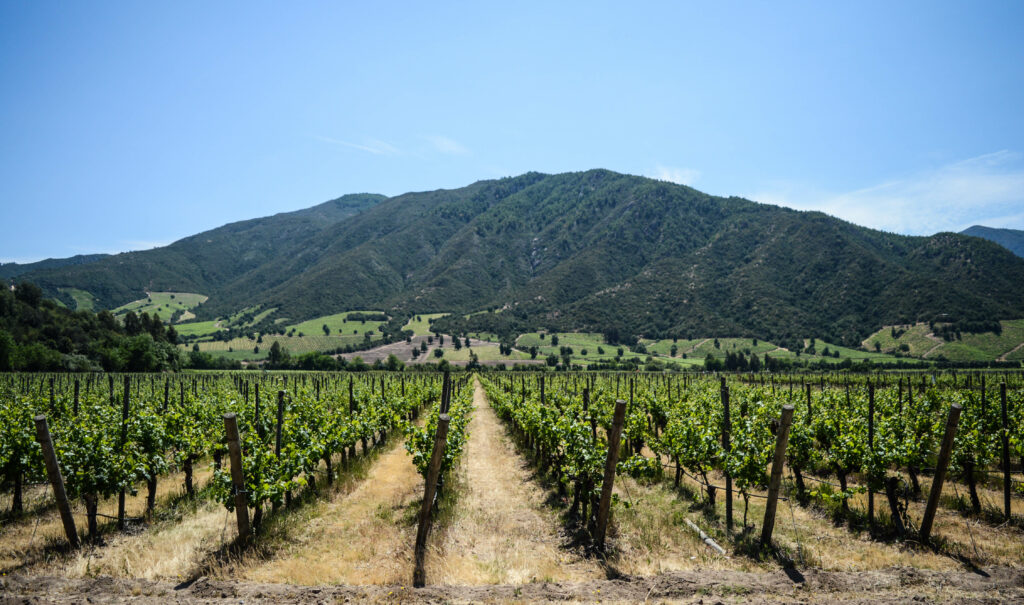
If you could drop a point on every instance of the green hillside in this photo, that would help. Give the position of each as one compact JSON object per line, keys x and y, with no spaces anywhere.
{"x":1011,"y":239}
{"x":625,"y":256}
{"x":919,"y":341}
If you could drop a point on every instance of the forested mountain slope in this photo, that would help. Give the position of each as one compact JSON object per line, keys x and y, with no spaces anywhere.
{"x":592,"y":250}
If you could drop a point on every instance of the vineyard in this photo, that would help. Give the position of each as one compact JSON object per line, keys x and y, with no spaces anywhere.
{"x":377,"y":483}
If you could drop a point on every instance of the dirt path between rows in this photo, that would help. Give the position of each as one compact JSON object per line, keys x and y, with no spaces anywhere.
{"x":894,"y":585}
{"x":500,"y":532}
{"x":361,"y":536}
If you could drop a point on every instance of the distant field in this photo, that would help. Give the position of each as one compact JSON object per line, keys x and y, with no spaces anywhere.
{"x":294,"y":344}
{"x":337,"y":323}
{"x":971,"y":347}
{"x":488,"y":352}
{"x":83,"y":300}
{"x":915,"y":337}
{"x":198,"y":328}
{"x":164,"y":304}
{"x":420,"y":324}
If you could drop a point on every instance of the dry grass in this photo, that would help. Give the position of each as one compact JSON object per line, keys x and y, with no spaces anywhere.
{"x":499,"y":531}
{"x":33,"y":544}
{"x":812,"y":538}
{"x":363,"y":535}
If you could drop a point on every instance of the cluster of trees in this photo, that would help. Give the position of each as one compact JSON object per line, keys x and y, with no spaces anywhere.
{"x":37,"y":334}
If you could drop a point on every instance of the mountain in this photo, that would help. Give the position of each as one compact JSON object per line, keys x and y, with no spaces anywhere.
{"x":592,"y":250}
{"x":12,"y":270}
{"x":209,"y":262}
{"x":1011,"y":239}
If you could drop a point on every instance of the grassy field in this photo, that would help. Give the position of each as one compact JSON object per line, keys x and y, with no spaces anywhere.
{"x":915,"y":337}
{"x":164,"y":304}
{"x":971,"y":347}
{"x":294,"y":344}
{"x":987,"y":345}
{"x":198,"y":328}
{"x":420,"y":324}
{"x":83,"y":300}
{"x":483,"y":353}
{"x":337,"y":324}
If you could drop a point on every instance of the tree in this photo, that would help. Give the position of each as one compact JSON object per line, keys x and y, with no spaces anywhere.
{"x":393,"y":363}
{"x":423,"y":346}
{"x":276,"y":354}
{"x":673,"y":350}
{"x":533,"y":352}
{"x":552,"y":360}
{"x":554,"y":340}
{"x":28,"y":293}
{"x":458,"y":343}
{"x":132,"y":324}
{"x":6,"y":351}
{"x":600,"y":350}
{"x":438,"y":352}
{"x":468,"y":345}
{"x":327,"y":331}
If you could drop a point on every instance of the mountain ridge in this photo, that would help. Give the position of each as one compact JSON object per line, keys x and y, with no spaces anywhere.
{"x":591,"y":250}
{"x":1011,"y":239}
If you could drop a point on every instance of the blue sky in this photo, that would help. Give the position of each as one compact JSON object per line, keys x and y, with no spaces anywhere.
{"x":129,"y":125}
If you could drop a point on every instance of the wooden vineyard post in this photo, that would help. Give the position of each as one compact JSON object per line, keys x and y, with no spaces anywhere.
{"x":776,"y":477}
{"x":614,"y":437}
{"x":125,"y":405}
{"x":430,"y":488}
{"x":237,"y":476}
{"x":726,"y":429}
{"x":1006,"y":452}
{"x":56,"y":480}
{"x":277,"y":439}
{"x":871,"y":450}
{"x":940,"y":471}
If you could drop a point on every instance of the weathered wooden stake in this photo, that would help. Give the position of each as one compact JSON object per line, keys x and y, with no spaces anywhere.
{"x":124,"y":440}
{"x":1006,"y":452}
{"x":776,"y":477}
{"x":430,"y":488}
{"x":871,"y":448}
{"x":237,"y":476}
{"x":726,"y":430}
{"x":940,"y":471}
{"x":614,"y":438}
{"x":56,"y":480}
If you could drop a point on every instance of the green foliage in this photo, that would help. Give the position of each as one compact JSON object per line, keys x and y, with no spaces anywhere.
{"x":622,"y":255}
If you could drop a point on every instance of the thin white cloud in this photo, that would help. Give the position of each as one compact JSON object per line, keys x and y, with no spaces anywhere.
{"x":446,"y":145}
{"x":988,"y":190}
{"x":680,"y":176}
{"x":373,"y":146}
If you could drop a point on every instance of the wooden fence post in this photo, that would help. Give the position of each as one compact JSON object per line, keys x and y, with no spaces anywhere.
{"x":56,"y":480}
{"x":614,"y":438}
{"x":940,"y":471}
{"x":776,"y":477}
{"x":125,"y":406}
{"x":237,"y":476}
{"x":871,"y":449}
{"x":1006,"y":452}
{"x":430,"y":488}
{"x":726,"y":430}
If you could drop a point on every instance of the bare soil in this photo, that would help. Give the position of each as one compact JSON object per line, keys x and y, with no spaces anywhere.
{"x":500,"y":531}
{"x":894,"y":585}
